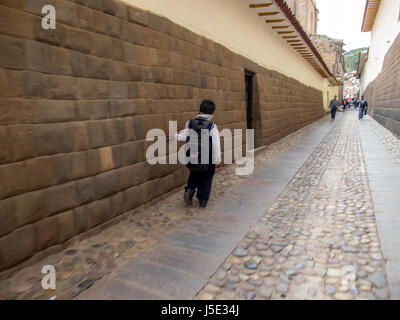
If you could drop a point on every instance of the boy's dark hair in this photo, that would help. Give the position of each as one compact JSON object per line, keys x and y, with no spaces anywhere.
{"x":207,"y":107}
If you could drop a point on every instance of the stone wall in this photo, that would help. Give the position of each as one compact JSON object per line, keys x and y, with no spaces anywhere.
{"x":76,"y":104}
{"x":383,"y":94}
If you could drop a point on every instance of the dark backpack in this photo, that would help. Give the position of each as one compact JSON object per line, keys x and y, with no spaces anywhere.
{"x":201,"y":127}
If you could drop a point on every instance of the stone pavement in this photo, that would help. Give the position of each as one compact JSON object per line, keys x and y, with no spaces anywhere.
{"x":310,"y":210}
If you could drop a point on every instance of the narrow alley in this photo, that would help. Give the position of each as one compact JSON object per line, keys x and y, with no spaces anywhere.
{"x":316,"y":220}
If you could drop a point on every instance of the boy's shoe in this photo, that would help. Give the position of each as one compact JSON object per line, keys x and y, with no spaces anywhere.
{"x":188,"y":196}
{"x":203,"y":203}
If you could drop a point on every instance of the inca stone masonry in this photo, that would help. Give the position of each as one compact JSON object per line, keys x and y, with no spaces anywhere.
{"x":76,"y":104}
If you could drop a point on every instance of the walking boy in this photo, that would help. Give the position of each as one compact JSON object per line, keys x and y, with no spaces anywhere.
{"x":202,"y":174}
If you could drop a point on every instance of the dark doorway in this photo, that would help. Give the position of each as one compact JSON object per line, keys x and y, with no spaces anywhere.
{"x":249,"y":77}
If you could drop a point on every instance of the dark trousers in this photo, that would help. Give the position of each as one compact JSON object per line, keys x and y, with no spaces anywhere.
{"x":361,"y":113}
{"x":333,"y":113}
{"x":201,"y":181}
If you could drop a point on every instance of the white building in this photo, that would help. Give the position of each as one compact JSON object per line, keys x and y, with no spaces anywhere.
{"x":382,"y":18}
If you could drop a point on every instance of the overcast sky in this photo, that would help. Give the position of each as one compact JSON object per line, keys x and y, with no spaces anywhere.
{"x":342,"y":19}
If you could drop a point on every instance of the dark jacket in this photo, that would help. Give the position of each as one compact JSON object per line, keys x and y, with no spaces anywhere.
{"x":362,"y":104}
{"x":334,"y":104}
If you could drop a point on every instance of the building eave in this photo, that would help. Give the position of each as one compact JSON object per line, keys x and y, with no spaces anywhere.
{"x":371,"y":9}
{"x":280,"y":18}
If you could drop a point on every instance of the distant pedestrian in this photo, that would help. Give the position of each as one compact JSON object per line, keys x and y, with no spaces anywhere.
{"x":363,"y":105}
{"x":334,"y":104}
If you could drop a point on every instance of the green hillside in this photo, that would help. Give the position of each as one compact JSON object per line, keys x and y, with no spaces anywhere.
{"x":351,"y":59}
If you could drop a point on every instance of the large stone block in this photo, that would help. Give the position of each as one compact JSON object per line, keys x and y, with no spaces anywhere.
{"x":23,"y":141}
{"x":123,"y":154}
{"x":17,"y":23}
{"x":78,"y":64}
{"x":126,"y":178}
{"x":62,"y":167}
{"x":78,"y":40}
{"x":91,"y":110}
{"x":146,"y":56}
{"x":106,"y":183}
{"x":117,"y":204}
{"x":113,"y":26}
{"x":101,"y":46}
{"x":120,"y":109}
{"x":66,"y":224}
{"x":93,"y":162}
{"x":163,"y":58}
{"x":129,"y":53}
{"x":93,"y":89}
{"x":60,"y":61}
{"x":156,"y":39}
{"x":112,"y":132}
{"x":94,"y":4}
{"x":161,"y":24}
{"x":35,"y":85}
{"x":39,"y":173}
{"x":7,"y":216}
{"x":138,"y":16}
{"x":118,"y":71}
{"x":61,"y":88}
{"x":117,"y":52}
{"x":5,"y":150}
{"x":81,"y":138}
{"x":97,"y":68}
{"x":46,"y":233}
{"x":99,"y":22}
{"x":133,"y":198}
{"x":12,"y":53}
{"x":99,"y":211}
{"x":12,"y":179}
{"x":163,"y":185}
{"x":106,"y":159}
{"x":95,"y":132}
{"x":67,"y":12}
{"x":53,"y":138}
{"x":60,"y":198}
{"x":17,"y":246}
{"x":118,"y":90}
{"x":29,"y":208}
{"x":116,"y":8}
{"x":35,"y":111}
{"x":81,"y":219}
{"x":85,"y":191}
{"x":84,"y":18}
{"x":147,"y":191}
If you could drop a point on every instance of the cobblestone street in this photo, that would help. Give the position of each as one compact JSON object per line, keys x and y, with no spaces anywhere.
{"x":322,"y":222}
{"x":302,"y":226}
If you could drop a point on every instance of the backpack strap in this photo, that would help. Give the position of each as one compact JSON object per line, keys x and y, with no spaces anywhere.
{"x":190,"y":124}
{"x":210,"y":126}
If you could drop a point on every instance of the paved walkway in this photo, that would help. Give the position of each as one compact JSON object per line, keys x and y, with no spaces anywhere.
{"x":302,"y":226}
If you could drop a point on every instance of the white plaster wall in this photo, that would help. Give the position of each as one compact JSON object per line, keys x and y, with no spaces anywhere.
{"x":233,"y":24}
{"x":384,"y":32}
{"x":333,"y":90}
